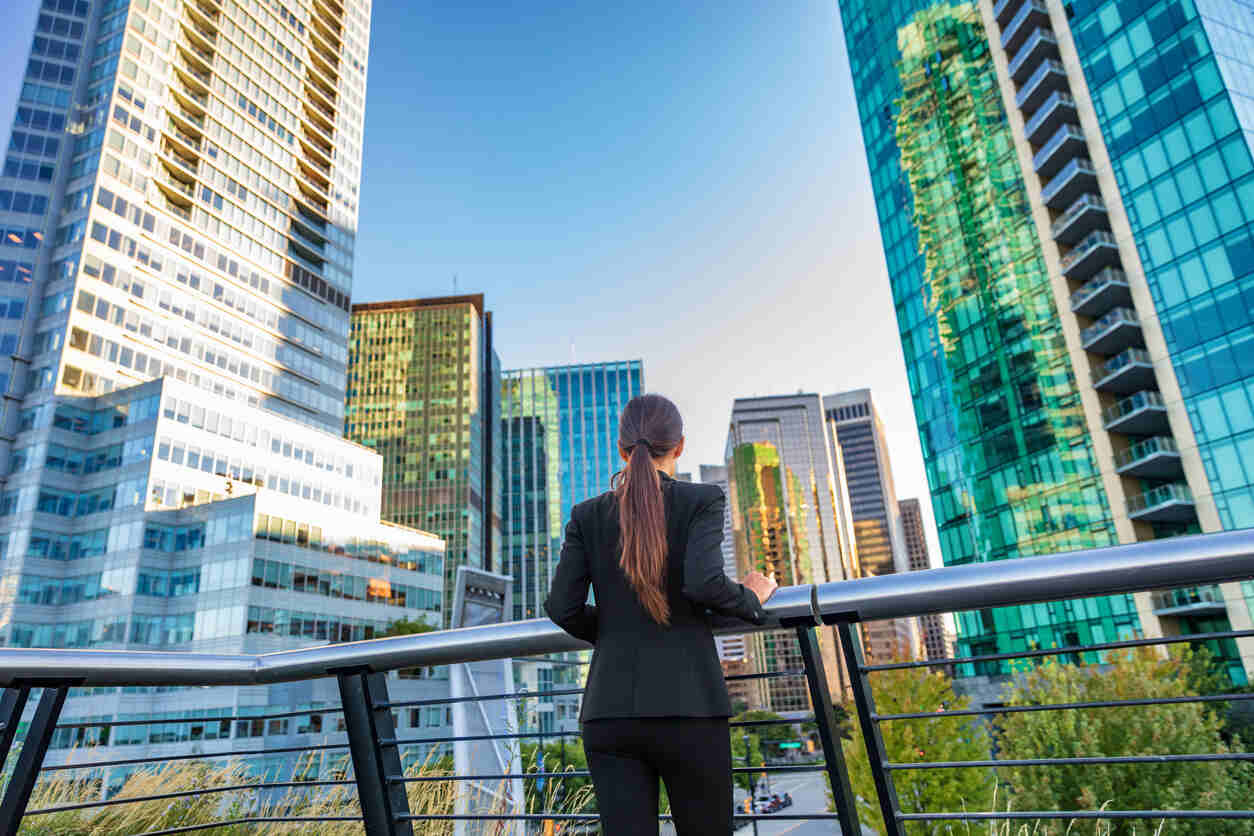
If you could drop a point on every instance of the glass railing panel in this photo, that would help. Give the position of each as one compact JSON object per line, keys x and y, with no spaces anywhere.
{"x":1056,"y":100}
{"x":1172,"y":492}
{"x":1145,"y":449}
{"x":1078,"y":207}
{"x":1029,"y":47}
{"x":1092,"y":241}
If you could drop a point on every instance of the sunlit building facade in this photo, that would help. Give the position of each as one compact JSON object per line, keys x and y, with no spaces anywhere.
{"x":1059,"y":187}
{"x":424,"y":393}
{"x":732,"y":647}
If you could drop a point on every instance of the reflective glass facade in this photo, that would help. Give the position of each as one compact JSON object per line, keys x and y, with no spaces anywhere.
{"x":1009,"y":457}
{"x":424,"y":392}
{"x":147,"y":519}
{"x":1173,"y":87}
{"x":559,"y":431}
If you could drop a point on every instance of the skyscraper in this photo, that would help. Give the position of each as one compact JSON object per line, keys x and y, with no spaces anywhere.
{"x":179,"y":200}
{"x":424,"y":392}
{"x":877,"y":525}
{"x":937,"y":637}
{"x":559,"y":441}
{"x":1062,"y":195}
{"x":789,"y":513}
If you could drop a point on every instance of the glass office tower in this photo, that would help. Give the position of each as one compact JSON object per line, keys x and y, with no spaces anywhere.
{"x":151,"y":519}
{"x":877,"y":525}
{"x":1056,"y":185}
{"x":424,"y":392}
{"x":559,"y":434}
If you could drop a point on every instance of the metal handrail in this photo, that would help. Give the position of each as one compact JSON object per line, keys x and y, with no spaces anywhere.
{"x":1161,"y":564}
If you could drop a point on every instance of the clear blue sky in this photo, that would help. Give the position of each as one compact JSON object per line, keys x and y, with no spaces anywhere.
{"x":679,"y":182}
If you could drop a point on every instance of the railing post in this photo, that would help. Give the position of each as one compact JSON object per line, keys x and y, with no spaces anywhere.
{"x":368,"y":720}
{"x":864,"y":701}
{"x":11,"y":706}
{"x":825,"y":718}
{"x":31,"y":758}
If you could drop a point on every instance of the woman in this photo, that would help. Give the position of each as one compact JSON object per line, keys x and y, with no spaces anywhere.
{"x":656,"y":704}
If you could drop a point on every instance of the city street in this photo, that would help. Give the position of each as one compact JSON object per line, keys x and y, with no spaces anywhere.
{"x":809,"y":795}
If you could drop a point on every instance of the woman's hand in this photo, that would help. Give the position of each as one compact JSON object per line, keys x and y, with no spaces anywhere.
{"x":761,"y":585}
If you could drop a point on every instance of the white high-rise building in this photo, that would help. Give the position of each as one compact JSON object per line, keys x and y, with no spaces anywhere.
{"x":179,"y":204}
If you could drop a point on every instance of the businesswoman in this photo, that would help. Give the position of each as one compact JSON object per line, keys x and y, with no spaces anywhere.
{"x":656,"y":705}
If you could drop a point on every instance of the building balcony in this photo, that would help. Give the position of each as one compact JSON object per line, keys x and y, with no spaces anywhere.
{"x":1057,"y":110}
{"x":170,"y":155}
{"x":1085,"y":214}
{"x":1048,"y":78}
{"x":299,"y":236}
{"x":1116,"y":330}
{"x":1127,"y":372}
{"x":1166,"y":503}
{"x":1065,"y":145}
{"x":1193,"y":601}
{"x":1031,"y":15}
{"x":1004,"y":10}
{"x":1143,"y":413}
{"x":1153,"y":458}
{"x":189,"y":142}
{"x":1108,"y":289}
{"x":1040,"y":45}
{"x":1094,"y":252}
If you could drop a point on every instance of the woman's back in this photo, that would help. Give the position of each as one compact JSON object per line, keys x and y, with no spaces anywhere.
{"x":655,"y":705}
{"x":642,"y":668}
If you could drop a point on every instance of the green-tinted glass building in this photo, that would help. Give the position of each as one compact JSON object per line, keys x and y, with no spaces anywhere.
{"x":769,"y":530}
{"x":423,"y":391}
{"x":1056,"y":184}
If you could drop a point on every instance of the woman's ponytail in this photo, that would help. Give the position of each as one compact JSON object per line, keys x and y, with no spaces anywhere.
{"x":650,"y":427}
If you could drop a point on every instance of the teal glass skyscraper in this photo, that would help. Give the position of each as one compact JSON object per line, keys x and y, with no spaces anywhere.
{"x":559,"y":433}
{"x":1065,"y":193}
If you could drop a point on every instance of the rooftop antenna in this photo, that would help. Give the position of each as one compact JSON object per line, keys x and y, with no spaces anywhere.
{"x":454,"y":284}
{"x":572,"y":351}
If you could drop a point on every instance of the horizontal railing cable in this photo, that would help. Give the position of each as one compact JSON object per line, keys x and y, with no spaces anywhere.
{"x":192,"y":828}
{"x":1080,"y":761}
{"x":209,"y":756}
{"x":520,"y":695}
{"x":165,"y":796}
{"x":1063,"y":706}
{"x":1080,"y":814}
{"x":1063,"y":651}
{"x":170,"y":721}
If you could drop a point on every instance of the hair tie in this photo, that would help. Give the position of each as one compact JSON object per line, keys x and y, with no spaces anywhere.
{"x":643,"y":441}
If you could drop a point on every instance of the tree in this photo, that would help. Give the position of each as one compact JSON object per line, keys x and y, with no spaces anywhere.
{"x":912,"y":690}
{"x":739,"y":738}
{"x":1178,"y":728}
{"x":406,"y":627}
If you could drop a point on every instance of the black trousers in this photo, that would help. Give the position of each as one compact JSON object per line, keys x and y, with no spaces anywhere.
{"x":692,"y":755}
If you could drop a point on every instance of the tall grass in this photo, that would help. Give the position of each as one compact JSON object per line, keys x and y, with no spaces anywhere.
{"x":237,"y":800}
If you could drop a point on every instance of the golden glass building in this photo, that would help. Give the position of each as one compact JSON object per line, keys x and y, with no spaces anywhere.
{"x":423,"y":391}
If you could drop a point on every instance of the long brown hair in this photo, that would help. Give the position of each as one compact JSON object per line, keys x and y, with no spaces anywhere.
{"x":650,"y":427}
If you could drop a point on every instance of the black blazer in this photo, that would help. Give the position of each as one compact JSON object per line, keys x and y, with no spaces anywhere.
{"x":639,"y":667}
